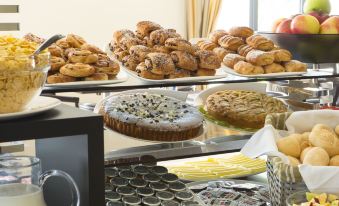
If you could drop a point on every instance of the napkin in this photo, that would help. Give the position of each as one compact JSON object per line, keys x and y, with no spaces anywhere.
{"x":317,"y":178}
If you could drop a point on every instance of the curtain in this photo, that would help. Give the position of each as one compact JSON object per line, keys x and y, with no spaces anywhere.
{"x":201,"y":17}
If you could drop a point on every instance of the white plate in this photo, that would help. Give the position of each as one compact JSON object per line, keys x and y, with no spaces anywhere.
{"x":121,"y":77}
{"x":220,"y":74}
{"x":182,"y":96}
{"x":38,"y":105}
{"x":280,"y":74}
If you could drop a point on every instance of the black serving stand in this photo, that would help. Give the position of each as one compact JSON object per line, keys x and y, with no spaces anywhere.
{"x":66,"y":139}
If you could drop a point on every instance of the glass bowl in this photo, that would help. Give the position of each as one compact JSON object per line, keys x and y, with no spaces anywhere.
{"x":21,"y":80}
{"x":296,"y":198}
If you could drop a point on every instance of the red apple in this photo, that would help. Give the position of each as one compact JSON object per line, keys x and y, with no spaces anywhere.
{"x":305,"y":24}
{"x":276,"y":24}
{"x":320,"y":16}
{"x":330,"y":26}
{"x":285,"y":27}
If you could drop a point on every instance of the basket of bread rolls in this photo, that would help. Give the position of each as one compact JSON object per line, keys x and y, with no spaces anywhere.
{"x":303,"y":152}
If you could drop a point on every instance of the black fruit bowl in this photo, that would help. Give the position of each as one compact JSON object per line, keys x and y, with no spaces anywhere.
{"x":309,"y":48}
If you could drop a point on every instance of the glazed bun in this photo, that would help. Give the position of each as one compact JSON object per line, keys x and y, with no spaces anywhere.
{"x":289,"y":146}
{"x":317,"y":156}
{"x":334,"y":161}
{"x":325,"y":137}
{"x":293,"y":161}
{"x":304,"y":152}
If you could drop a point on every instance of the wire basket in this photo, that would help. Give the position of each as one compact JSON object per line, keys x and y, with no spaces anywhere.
{"x":283,"y":179}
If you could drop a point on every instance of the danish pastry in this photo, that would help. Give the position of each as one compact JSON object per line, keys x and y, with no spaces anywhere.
{"x":60,"y":78}
{"x":75,"y":40}
{"x":145,"y":73}
{"x":119,"y":54}
{"x":158,"y":37}
{"x":130,"y":62}
{"x":259,"y":57}
{"x":33,"y":38}
{"x":244,"y":49}
{"x":205,"y":72}
{"x":147,"y":41}
{"x":106,"y":65}
{"x":92,"y":49}
{"x":242,"y":32}
{"x":295,"y":66}
{"x":260,"y":42}
{"x":139,"y":52}
{"x":161,"y":49}
{"x":231,"y":59}
{"x":127,"y":42}
{"x":159,"y":63}
{"x":144,"y":28}
{"x":77,"y":70}
{"x":222,"y":52}
{"x":118,"y":35}
{"x":246,"y":68}
{"x":179,"y":44}
{"x":113,"y":45}
{"x":184,"y":60}
{"x":205,"y":44}
{"x":82,"y":56}
{"x":180,"y":73}
{"x":62,"y":43}
{"x":68,"y":51}
{"x":230,"y":42}
{"x":55,"y":50}
{"x":281,"y":55}
{"x":97,"y":77}
{"x":273,"y":68}
{"x":208,"y":59}
{"x":214,"y":36}
{"x":56,"y":63}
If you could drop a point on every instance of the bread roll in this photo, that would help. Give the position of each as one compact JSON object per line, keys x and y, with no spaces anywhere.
{"x":289,"y":146}
{"x":325,"y":137}
{"x":334,"y":161}
{"x":304,"y":152}
{"x":317,"y":156}
{"x":293,"y":161}
{"x":303,"y":140}
{"x":337,"y":129}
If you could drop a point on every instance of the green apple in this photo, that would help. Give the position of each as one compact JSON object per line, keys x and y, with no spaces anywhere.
{"x":317,"y":5}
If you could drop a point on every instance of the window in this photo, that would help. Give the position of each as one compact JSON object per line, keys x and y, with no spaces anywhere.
{"x":335,"y":7}
{"x":233,"y":13}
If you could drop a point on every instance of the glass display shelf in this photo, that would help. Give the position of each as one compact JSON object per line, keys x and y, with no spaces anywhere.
{"x":134,"y":83}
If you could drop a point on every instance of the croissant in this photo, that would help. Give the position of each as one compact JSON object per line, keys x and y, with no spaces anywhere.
{"x":260,"y":42}
{"x":230,"y":42}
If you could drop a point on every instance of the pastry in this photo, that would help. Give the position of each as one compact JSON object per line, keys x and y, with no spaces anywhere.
{"x":82,"y":56}
{"x":97,"y":77}
{"x":139,"y":52}
{"x":143,"y":72}
{"x":127,"y":42}
{"x":151,"y":117}
{"x":208,"y":59}
{"x":246,"y":109}
{"x":130,"y":62}
{"x":159,"y":63}
{"x":113,"y":46}
{"x":118,"y":35}
{"x":334,"y":161}
{"x":75,"y":41}
{"x":106,"y":65}
{"x":260,"y":42}
{"x":295,"y":66}
{"x":221,"y":52}
{"x":119,"y":54}
{"x":214,"y":36}
{"x":337,"y":129}
{"x":77,"y":70}
{"x":273,"y":68}
{"x":68,"y":51}
{"x":230,"y":42}
{"x":56,"y":63}
{"x":144,"y":28}
{"x":184,"y":60}
{"x":205,"y":72}
{"x":62,"y":43}
{"x":158,"y":37}
{"x":289,"y":146}
{"x":147,"y":42}
{"x":179,"y":44}
{"x":259,"y":57}
{"x":242,"y":32}
{"x":161,"y":49}
{"x":55,"y":50}
{"x":33,"y":38}
{"x":246,"y":68}
{"x":281,"y":55}
{"x":325,"y":137}
{"x":317,"y":156}
{"x":205,"y":44}
{"x":231,"y":59}
{"x":60,"y":78}
{"x":92,"y":49}
{"x":244,"y":49}
{"x":180,"y":73}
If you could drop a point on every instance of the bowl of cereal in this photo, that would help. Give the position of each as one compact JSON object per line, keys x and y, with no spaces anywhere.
{"x":22,"y":75}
